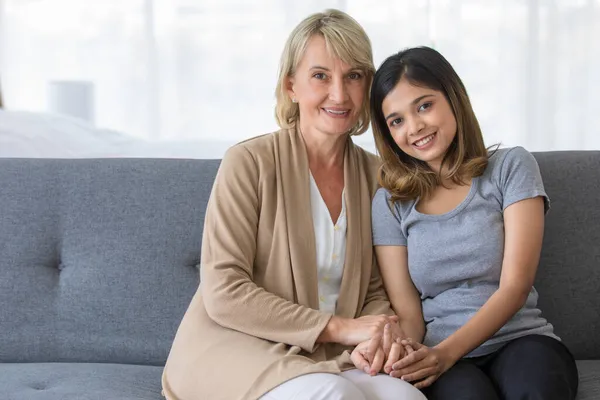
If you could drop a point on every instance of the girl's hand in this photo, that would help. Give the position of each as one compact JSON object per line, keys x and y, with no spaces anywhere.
{"x":425,"y":364}
{"x":397,"y":352}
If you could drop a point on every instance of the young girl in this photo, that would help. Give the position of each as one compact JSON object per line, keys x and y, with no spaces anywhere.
{"x":458,"y":234}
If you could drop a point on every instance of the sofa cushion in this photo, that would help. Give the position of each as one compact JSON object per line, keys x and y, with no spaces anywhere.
{"x":80,"y":381}
{"x":98,"y":258}
{"x":589,"y":380}
{"x":568,"y":277}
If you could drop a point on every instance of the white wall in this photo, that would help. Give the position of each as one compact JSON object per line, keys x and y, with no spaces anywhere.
{"x":203,"y":71}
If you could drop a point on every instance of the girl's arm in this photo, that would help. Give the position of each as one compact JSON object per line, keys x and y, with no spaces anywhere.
{"x":404,"y":297}
{"x":524,"y":228}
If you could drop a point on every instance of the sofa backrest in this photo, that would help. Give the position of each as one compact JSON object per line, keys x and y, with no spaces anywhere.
{"x":98,"y":258}
{"x":568,"y":279}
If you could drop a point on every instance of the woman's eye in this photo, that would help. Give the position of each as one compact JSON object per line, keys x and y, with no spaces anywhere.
{"x":425,"y":106}
{"x":396,"y":122}
{"x":319,"y":75}
{"x":355,"y":76}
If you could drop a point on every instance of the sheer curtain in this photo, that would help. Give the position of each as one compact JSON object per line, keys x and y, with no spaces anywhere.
{"x":181,"y":70}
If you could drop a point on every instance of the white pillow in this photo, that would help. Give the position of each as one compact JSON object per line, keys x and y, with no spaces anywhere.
{"x":42,"y":135}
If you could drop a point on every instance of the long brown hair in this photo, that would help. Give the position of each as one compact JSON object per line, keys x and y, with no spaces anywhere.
{"x":408,"y":178}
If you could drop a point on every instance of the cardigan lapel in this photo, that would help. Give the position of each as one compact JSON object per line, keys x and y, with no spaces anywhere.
{"x":355,"y":190}
{"x":292,"y":165}
{"x":293,"y":170}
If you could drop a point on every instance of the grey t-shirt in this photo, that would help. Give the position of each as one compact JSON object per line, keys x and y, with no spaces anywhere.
{"x":455,"y":259}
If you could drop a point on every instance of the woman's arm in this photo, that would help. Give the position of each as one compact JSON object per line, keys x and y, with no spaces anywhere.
{"x":404,"y":297}
{"x":230,"y":296}
{"x":524,"y":229}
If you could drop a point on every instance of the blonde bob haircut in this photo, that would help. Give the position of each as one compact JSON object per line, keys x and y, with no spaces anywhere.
{"x":345,"y":39}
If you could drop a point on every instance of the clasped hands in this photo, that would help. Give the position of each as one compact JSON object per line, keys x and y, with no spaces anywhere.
{"x":391,"y":352}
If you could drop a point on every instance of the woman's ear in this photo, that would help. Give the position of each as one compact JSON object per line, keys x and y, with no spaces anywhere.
{"x":289,"y":86}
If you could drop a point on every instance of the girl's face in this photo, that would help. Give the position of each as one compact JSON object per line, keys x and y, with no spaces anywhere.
{"x":420,"y":121}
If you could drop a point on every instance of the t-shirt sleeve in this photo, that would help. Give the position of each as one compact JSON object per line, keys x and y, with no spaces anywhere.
{"x":387,"y":229}
{"x":520,"y":178}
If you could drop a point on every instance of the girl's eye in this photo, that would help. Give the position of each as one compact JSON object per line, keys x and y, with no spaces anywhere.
{"x":355,"y":75}
{"x":319,"y":75}
{"x":396,"y":122}
{"x":425,"y":106}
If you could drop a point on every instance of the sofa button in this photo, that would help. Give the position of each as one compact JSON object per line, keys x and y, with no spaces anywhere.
{"x":38,"y":386}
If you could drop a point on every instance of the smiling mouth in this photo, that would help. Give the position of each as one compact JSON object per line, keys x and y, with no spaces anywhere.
{"x":336,"y":113}
{"x":422,"y":142}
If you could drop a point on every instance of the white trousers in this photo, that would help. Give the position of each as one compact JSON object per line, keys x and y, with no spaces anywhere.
{"x":349,"y":385}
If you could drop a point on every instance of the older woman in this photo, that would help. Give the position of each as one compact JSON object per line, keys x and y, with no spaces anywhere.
{"x":289,"y":284}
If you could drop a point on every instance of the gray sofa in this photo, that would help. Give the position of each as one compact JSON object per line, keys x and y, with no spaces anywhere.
{"x":99,"y":259}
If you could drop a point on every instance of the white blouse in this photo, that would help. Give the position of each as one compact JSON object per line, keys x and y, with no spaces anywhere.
{"x":331,"y":248}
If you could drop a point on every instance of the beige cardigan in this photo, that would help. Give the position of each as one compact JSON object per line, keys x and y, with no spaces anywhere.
{"x":254,"y":321}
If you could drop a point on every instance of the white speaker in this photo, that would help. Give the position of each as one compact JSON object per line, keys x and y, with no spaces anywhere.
{"x":72,"y":98}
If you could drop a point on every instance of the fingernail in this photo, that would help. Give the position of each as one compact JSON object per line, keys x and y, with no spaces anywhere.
{"x":366,"y":370}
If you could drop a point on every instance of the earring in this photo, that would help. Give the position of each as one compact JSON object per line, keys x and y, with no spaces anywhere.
{"x":294,"y":100}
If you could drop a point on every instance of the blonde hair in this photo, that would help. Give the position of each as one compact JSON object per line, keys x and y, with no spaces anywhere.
{"x":408,"y":178}
{"x":345,"y":39}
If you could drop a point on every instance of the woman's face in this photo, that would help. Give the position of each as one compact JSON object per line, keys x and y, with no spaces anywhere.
{"x":421,"y":121}
{"x":330,"y":93}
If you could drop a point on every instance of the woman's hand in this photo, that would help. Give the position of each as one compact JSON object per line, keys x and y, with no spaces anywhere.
{"x":351,"y":332}
{"x":425,"y":364}
{"x":392,"y":334}
{"x":381,"y":357}
{"x":361,"y":362}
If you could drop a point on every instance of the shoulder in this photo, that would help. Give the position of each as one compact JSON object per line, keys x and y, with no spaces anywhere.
{"x":386,"y":221}
{"x":383,"y":205}
{"x":257,"y":146}
{"x":369,"y":165}
{"x":498,"y":156}
{"x":382,"y":196}
{"x":515,"y":173}
{"x":505,"y":160}
{"x":251,"y":155}
{"x":369,"y":160}
{"x":509,"y":153}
